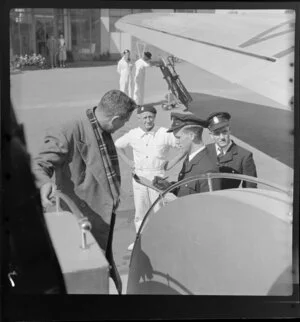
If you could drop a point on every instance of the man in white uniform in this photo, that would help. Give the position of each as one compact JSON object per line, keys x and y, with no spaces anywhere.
{"x":139,"y":78}
{"x":150,"y":146}
{"x":124,"y":68}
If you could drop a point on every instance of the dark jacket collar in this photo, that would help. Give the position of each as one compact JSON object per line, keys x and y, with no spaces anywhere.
{"x":197,"y":157}
{"x":88,"y":148}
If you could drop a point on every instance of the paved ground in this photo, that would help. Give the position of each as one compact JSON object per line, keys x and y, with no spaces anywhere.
{"x":45,"y":98}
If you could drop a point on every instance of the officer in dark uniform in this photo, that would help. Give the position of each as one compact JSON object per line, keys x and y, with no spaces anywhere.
{"x":188,"y":129}
{"x":229,"y":157}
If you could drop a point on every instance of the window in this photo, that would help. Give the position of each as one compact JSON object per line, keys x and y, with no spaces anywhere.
{"x":81,"y":27}
{"x":85,"y":30}
{"x":20,"y":31}
{"x":59,"y":21}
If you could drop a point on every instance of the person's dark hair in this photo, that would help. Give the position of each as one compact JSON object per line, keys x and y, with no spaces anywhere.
{"x":117,"y":103}
{"x":147,"y":54}
{"x":197,"y":130}
{"x":125,"y":52}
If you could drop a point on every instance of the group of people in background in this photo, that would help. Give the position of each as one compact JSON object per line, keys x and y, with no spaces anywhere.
{"x":132,"y":75}
{"x":57,"y":51}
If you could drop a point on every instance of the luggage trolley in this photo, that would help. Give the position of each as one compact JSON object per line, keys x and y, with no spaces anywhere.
{"x":175,"y":85}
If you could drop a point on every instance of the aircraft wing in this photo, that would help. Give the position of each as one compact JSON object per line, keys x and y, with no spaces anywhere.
{"x":252,"y":50}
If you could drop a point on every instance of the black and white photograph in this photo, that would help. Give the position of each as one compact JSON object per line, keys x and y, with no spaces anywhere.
{"x":157,"y":150}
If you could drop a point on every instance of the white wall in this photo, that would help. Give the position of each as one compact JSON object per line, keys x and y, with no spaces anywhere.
{"x":119,"y":41}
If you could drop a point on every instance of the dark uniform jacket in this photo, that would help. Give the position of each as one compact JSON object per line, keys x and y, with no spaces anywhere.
{"x":236,"y":160}
{"x":201,"y":163}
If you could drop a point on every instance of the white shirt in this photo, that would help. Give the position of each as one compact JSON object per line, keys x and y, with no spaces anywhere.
{"x":218,"y":149}
{"x":124,"y":68}
{"x":150,"y":149}
{"x":140,"y":70}
{"x":61,"y":42}
{"x":192,"y":155}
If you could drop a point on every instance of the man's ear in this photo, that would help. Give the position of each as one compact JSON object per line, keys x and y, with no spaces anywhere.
{"x":114,"y":119}
{"x":192,"y":135}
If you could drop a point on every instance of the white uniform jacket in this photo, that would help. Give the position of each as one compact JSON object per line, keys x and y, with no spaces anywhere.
{"x":124,"y":68}
{"x":139,"y":81}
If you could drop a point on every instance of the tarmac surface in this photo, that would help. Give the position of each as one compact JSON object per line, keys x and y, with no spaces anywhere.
{"x":45,"y":98}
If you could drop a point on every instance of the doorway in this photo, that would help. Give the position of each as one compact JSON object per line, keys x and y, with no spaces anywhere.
{"x":44,"y":28}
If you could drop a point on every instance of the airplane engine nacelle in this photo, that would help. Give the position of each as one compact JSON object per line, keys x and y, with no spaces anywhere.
{"x":230,"y":242}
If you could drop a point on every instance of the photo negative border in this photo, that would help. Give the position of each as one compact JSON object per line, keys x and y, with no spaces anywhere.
{"x":90,"y":307}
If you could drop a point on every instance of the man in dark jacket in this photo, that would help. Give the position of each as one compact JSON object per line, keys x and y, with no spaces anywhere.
{"x":188,"y":129}
{"x":229,"y":157}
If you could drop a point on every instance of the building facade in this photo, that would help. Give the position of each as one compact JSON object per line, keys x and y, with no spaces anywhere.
{"x":90,"y":34}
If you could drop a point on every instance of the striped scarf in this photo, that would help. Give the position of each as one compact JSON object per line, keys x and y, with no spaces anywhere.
{"x":109,"y":157}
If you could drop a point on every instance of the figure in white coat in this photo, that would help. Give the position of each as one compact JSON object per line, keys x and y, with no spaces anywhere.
{"x":150,"y":145}
{"x":139,"y":78}
{"x":124,"y":68}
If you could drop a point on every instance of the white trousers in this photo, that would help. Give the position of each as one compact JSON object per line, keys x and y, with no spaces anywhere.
{"x":143,"y":199}
{"x":125,"y":85}
{"x":139,"y":93}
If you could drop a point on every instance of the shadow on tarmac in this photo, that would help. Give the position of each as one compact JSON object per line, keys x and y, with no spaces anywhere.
{"x":91,"y":63}
{"x":143,"y":279}
{"x":267,"y":129}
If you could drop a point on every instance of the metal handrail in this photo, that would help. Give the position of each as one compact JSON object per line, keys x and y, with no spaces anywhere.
{"x":209,"y":176}
{"x":242,"y":177}
{"x":83,"y":221}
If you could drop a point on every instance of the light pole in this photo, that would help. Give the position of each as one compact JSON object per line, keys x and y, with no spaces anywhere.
{"x":19,"y":18}
{"x":90,"y":14}
{"x":20,"y":38}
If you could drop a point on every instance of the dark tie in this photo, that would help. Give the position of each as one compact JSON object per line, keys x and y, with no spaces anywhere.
{"x":221,"y":154}
{"x":186,"y":161}
{"x":183,"y":170}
